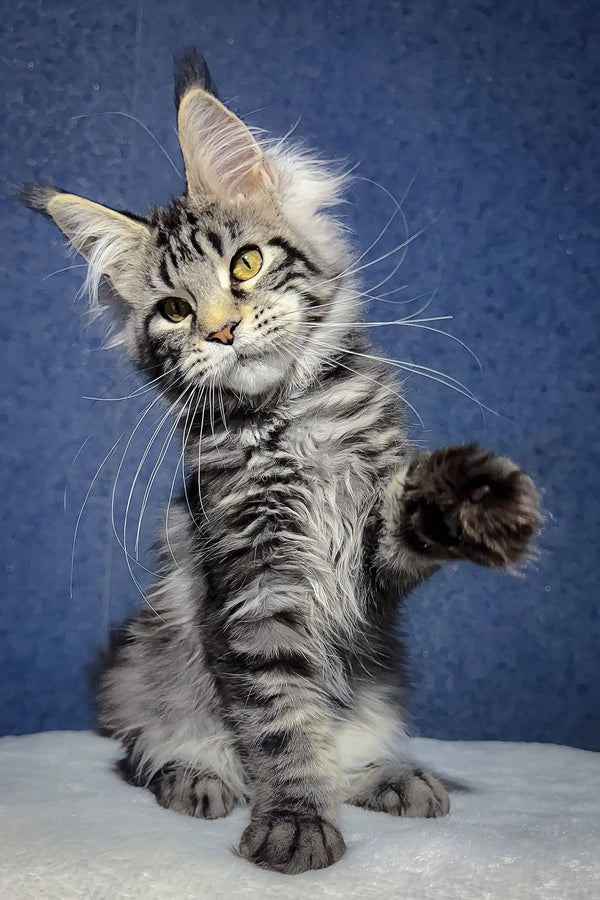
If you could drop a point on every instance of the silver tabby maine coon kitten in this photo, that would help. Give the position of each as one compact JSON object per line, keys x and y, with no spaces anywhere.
{"x":266,"y":666}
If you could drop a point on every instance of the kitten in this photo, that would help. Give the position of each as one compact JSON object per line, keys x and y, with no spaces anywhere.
{"x":266,"y":667}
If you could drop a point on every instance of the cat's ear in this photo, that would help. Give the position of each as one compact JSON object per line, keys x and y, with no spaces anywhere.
{"x":219,"y":152}
{"x":113,"y":243}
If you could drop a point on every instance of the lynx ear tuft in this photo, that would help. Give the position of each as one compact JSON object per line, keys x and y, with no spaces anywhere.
{"x":37,"y":196}
{"x":191,"y":71}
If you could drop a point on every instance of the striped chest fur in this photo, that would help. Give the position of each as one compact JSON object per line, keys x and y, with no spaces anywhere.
{"x":282,"y":498}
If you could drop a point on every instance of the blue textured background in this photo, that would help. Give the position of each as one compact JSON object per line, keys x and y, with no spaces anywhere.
{"x":494,"y":108}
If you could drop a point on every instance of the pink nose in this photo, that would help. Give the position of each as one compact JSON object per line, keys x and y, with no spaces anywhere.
{"x":224,"y":334}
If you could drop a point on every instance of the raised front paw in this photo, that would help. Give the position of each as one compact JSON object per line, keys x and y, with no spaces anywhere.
{"x":466,"y":503}
{"x":291,"y":842}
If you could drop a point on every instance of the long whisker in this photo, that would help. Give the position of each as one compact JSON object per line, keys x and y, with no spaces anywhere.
{"x":128,"y":558}
{"x":181,"y":462}
{"x":386,"y":387}
{"x":201,"y":433}
{"x":126,"y":115}
{"x":75,"y":458}
{"x":351,"y":272}
{"x":362,"y":324}
{"x":405,"y":223}
{"x":89,"y":491}
{"x":144,"y":389}
{"x":222,"y":411}
{"x":383,"y":230}
{"x":425,"y":371}
{"x":114,"y":491}
{"x":397,"y":210}
{"x":407,"y":320}
{"x":65,"y":269}
{"x":355,"y":294}
{"x":211,"y":410}
{"x":411,"y":324}
{"x":163,"y":452}
{"x":419,"y":324}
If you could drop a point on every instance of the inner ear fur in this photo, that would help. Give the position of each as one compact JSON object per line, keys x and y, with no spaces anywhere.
{"x":219,"y":152}
{"x":113,"y":242}
{"x":87,"y":224}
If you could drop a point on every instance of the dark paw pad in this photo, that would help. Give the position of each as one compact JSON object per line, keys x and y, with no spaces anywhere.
{"x":198,"y":794}
{"x":465,"y":503}
{"x":290,"y":842}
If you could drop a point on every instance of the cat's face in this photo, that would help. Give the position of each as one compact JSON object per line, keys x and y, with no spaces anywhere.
{"x":232,"y":286}
{"x":229,"y":295}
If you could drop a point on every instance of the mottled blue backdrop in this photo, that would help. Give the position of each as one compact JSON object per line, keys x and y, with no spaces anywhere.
{"x":485,"y":117}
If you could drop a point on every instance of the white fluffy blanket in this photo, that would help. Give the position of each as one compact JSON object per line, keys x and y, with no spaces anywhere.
{"x":527,"y":829}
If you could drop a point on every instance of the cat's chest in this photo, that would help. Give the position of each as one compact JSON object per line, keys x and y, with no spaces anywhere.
{"x":312,"y":449}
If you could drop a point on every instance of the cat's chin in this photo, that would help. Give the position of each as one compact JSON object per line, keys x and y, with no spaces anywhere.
{"x":252,"y":376}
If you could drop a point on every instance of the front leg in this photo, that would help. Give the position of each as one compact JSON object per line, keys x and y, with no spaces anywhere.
{"x":457,"y":503}
{"x":278,"y":686}
{"x":279,"y":681}
{"x":287,"y":741}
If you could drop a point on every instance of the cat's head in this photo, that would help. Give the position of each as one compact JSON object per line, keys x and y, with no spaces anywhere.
{"x":234,"y":283}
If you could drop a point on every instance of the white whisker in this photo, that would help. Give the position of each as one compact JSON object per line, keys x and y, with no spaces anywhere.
{"x":425,"y":371}
{"x":75,"y":458}
{"x":386,"y":387}
{"x":89,"y":491}
{"x":200,"y":436}
{"x":128,"y":558}
{"x":162,"y":453}
{"x":144,"y":389}
{"x":133,"y":118}
{"x":187,"y":429}
{"x":64,"y":269}
{"x":201,"y":396}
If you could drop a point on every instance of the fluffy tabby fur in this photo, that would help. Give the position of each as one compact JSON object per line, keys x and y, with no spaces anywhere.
{"x":266,"y":667}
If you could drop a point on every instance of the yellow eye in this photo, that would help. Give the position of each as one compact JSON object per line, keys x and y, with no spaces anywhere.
{"x":246,"y":263}
{"x":174,"y":309}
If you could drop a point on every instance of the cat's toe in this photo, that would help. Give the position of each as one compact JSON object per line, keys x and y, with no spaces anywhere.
{"x":291,"y":843}
{"x":413,"y":793}
{"x":198,"y":794}
{"x":425,"y":797}
{"x":499,"y":513}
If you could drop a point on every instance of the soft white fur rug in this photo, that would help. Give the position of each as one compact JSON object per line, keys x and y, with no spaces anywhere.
{"x":528,"y":828}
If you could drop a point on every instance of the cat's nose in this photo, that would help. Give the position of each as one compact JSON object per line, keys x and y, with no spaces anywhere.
{"x":224,"y":334}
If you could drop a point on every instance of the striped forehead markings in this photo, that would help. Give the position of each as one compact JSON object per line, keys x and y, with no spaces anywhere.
{"x":294,"y":253}
{"x":164,"y":273}
{"x":216,"y":241}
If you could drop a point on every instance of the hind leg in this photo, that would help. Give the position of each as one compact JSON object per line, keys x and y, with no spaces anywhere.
{"x":160,"y":701}
{"x":199,"y":785}
{"x":368,"y":743}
